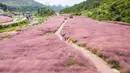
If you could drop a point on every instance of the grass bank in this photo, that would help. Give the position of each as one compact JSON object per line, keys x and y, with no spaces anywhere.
{"x":14,"y":26}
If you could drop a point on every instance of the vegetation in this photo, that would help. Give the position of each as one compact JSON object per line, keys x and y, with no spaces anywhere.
{"x":42,"y":14}
{"x":86,"y":5}
{"x":28,"y":5}
{"x":57,"y":8}
{"x":20,"y":2}
{"x":25,"y":8}
{"x":23,"y":5}
{"x":4,"y":37}
{"x":114,"y":64}
{"x":45,"y":12}
{"x":14,"y":26}
{"x":112,"y":10}
{"x":4,"y":7}
{"x":40,"y":19}
{"x":115,"y":10}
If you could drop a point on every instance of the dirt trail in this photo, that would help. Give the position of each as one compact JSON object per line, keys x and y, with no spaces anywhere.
{"x":100,"y":64}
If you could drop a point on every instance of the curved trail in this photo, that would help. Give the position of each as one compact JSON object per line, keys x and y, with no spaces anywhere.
{"x":100,"y":64}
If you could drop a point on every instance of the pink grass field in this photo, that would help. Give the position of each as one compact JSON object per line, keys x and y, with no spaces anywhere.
{"x":38,"y":50}
{"x":4,"y":19}
{"x":108,"y":39}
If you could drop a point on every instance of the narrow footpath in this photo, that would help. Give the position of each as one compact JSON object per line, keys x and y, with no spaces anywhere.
{"x":100,"y":64}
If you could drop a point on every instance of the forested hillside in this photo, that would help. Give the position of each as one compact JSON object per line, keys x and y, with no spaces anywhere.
{"x":86,"y":5}
{"x":115,"y":10}
{"x":22,"y":5}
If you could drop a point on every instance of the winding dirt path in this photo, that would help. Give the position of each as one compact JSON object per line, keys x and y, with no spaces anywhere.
{"x":100,"y":64}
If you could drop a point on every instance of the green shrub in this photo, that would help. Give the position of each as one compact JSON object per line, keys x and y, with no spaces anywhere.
{"x":77,"y":13}
{"x":126,"y":19}
{"x":89,"y":14}
{"x":114,"y":64}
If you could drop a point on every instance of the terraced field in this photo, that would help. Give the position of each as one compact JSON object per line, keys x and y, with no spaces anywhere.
{"x":39,"y":50}
{"x":52,"y":47}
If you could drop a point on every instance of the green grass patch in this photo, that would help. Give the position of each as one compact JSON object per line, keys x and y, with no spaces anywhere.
{"x":1,"y":38}
{"x":49,"y":32}
{"x":77,"y":13}
{"x":82,"y":45}
{"x":114,"y":64}
{"x":40,"y":19}
{"x":14,"y":26}
{"x":72,"y":62}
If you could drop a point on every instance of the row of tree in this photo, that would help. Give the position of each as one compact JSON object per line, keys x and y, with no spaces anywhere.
{"x":45,"y":12}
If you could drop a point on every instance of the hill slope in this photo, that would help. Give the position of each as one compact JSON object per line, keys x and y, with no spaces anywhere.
{"x":86,"y":5}
{"x":23,"y":5}
{"x":115,"y":10}
{"x":57,"y":8}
